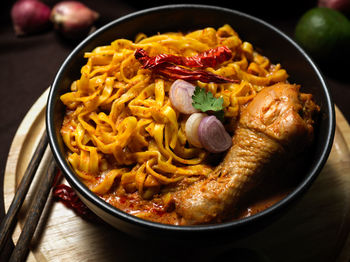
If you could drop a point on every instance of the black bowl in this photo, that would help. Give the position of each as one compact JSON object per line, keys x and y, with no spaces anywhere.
{"x":272,"y":43}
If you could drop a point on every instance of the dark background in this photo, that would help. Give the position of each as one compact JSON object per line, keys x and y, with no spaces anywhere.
{"x":29,"y":64}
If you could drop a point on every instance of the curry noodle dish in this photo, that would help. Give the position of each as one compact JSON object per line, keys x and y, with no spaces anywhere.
{"x":185,"y":128}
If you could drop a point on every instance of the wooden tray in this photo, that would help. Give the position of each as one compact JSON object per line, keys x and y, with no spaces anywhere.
{"x":315,"y":229}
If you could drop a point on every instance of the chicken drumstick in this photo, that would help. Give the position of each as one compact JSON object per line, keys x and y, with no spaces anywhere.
{"x":277,"y":120}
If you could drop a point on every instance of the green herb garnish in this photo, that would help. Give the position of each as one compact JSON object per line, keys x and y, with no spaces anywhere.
{"x":205,"y":101}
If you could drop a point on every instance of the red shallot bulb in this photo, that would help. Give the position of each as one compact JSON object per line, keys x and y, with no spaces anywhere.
{"x":340,"y":5}
{"x":29,"y":16}
{"x":191,"y":129}
{"x":73,"y":19}
{"x":180,"y":96}
{"x":213,"y":136}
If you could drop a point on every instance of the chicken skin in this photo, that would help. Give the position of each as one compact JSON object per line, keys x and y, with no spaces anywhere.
{"x":278,"y":120}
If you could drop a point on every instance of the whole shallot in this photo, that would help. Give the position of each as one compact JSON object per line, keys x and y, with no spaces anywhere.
{"x":340,"y":5}
{"x":29,"y":16}
{"x":73,"y":19}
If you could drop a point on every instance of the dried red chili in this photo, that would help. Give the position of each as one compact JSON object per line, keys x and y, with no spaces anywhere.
{"x":177,"y":72}
{"x":70,"y":199}
{"x":210,"y":58}
{"x":167,"y":65}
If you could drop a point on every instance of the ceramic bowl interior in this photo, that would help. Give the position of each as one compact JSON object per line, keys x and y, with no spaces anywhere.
{"x":271,"y":42}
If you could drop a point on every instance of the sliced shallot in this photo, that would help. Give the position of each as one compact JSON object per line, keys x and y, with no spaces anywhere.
{"x":213,"y":136}
{"x":191,"y":129}
{"x":180,"y":95}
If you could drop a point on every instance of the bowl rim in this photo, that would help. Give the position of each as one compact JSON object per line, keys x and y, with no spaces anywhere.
{"x":94,"y":199}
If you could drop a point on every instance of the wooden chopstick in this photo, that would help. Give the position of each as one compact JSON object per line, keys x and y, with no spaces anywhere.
{"x":7,"y":224}
{"x":21,"y":249}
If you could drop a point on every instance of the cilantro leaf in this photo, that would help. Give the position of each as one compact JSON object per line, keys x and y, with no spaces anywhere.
{"x":205,"y":101}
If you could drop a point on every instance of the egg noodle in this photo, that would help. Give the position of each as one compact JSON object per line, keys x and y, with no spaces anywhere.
{"x":120,"y":127}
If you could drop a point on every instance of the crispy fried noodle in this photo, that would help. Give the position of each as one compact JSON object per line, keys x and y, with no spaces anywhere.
{"x":123,"y":134}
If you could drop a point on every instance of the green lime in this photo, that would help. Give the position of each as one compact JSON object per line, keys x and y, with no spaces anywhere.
{"x":324,"y":33}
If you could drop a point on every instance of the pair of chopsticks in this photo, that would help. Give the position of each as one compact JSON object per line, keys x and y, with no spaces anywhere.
{"x":21,"y":250}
